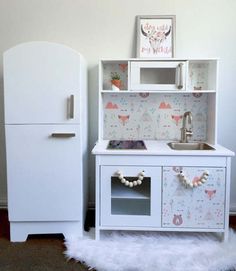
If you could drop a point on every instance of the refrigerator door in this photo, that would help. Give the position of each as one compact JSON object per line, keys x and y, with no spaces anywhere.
{"x":41,"y":84}
{"x":44,"y":172}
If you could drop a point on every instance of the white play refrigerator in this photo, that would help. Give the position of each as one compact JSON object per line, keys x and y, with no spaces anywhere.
{"x":45,"y":96}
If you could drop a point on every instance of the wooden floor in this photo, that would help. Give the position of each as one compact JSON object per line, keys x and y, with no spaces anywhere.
{"x":232,"y":221}
{"x":4,"y":225}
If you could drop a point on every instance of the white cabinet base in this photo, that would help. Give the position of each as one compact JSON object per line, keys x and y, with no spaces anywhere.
{"x":223,"y":234}
{"x":19,"y":231}
{"x":164,"y":188}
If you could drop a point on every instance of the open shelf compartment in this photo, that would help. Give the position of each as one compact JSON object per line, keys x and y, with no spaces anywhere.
{"x":120,"y":67}
{"x":130,"y":201}
{"x":202,"y":75}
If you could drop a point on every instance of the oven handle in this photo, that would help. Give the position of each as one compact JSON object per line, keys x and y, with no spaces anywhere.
{"x":131,"y":184}
{"x":180,"y":76}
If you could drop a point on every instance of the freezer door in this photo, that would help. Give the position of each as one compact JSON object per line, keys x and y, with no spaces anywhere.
{"x":42,"y":84}
{"x":44,"y":172}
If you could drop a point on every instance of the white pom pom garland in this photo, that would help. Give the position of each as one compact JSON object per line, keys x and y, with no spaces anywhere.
{"x":187,"y":183}
{"x":130,"y":184}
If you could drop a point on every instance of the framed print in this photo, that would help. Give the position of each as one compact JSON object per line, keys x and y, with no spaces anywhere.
{"x":155,"y":36}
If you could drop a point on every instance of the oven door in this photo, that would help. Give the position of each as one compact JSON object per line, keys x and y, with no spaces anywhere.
{"x":138,"y":205}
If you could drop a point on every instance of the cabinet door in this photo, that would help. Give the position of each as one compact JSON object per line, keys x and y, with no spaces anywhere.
{"x":43,"y":172}
{"x":158,"y":75}
{"x":130,"y":206}
{"x":41,"y":84}
{"x":199,"y":207}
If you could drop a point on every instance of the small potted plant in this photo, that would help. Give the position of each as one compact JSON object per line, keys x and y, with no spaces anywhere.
{"x":115,"y":81}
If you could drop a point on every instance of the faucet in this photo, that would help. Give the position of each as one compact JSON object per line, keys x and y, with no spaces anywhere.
{"x":185,"y":133}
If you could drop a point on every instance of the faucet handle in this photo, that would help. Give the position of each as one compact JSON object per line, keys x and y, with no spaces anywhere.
{"x":189,"y":132}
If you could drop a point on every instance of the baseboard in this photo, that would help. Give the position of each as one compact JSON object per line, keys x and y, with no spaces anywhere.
{"x":91,"y":205}
{"x":232,"y":209}
{"x":3,"y":203}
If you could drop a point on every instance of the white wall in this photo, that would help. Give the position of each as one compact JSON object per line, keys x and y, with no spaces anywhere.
{"x":106,"y":29}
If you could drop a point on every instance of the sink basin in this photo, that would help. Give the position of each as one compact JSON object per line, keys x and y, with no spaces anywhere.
{"x":190,"y":146}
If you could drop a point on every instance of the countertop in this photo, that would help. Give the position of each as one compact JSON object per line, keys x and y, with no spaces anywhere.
{"x":160,"y":148}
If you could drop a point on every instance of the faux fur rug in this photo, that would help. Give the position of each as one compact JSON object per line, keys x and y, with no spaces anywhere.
{"x":138,"y":251}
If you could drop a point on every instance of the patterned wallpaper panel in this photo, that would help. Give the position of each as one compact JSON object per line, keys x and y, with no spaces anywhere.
{"x":200,"y":207}
{"x":153,"y":116}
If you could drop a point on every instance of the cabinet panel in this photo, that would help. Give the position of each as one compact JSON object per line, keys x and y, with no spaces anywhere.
{"x":44,"y":173}
{"x":130,"y":206}
{"x":199,"y":207}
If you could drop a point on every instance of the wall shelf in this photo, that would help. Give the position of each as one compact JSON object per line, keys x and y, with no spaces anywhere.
{"x":145,"y":93}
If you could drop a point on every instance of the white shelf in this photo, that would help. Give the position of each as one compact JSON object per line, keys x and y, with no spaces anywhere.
{"x":199,"y":79}
{"x":130,"y":207}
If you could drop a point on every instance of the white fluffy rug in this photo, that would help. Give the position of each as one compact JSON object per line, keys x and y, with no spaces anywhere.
{"x":129,"y":251}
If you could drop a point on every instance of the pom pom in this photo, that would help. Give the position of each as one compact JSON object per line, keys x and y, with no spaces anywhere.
{"x":123,"y":180}
{"x":184,"y":180}
{"x":126,"y":183}
{"x":139,"y":182}
{"x":135,"y":183}
{"x":121,"y":176}
{"x":131,"y":184}
{"x":142,"y":173}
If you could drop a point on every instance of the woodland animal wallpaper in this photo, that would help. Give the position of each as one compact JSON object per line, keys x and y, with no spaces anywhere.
{"x":151,"y":116}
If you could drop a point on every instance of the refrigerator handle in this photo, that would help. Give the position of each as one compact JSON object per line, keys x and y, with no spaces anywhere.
{"x":71,"y":107}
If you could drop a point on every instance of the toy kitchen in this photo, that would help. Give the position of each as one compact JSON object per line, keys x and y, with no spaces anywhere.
{"x":159,"y":166}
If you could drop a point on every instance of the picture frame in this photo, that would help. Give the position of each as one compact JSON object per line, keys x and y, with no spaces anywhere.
{"x":155,"y":36}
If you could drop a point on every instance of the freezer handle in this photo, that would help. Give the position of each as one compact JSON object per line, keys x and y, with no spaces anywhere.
{"x":63,"y":135}
{"x":72,"y":101}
